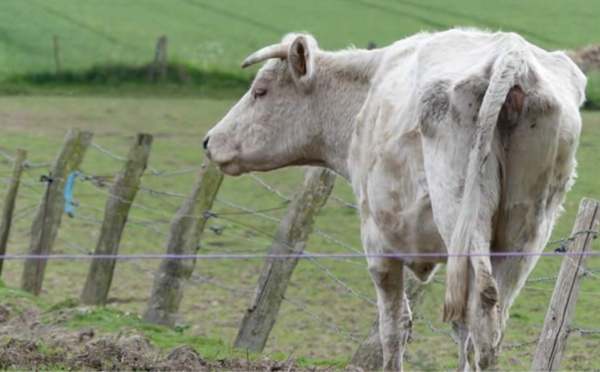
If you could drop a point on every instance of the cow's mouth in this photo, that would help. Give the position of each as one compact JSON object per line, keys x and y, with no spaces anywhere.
{"x":230,"y":168}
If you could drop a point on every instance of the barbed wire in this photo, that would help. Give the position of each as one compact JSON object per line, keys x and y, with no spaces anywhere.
{"x":269,"y":188}
{"x":274,"y":219}
{"x":507,"y":347}
{"x":323,"y":321}
{"x":312,"y":257}
{"x":26,"y":164}
{"x":586,"y":272}
{"x":552,"y":290}
{"x":7,"y":179}
{"x":401,"y":256}
{"x":434,"y":329}
{"x":331,"y":326}
{"x":203,"y":279}
{"x":147,"y":225}
{"x":343,"y":202}
{"x":581,"y":269}
{"x":519,"y":345}
{"x":218,"y":215}
{"x":551,"y":278}
{"x":109,"y":153}
{"x":585,"y":332}
{"x":206,"y":280}
{"x":342,"y":284}
{"x":273,"y":190}
{"x":154,"y":171}
{"x":23,"y":213}
{"x":173,"y":173}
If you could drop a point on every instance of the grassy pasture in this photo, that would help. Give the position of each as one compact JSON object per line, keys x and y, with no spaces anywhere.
{"x":220,"y":34}
{"x":95,"y":36}
{"x":38,"y":123}
{"x":105,"y":45}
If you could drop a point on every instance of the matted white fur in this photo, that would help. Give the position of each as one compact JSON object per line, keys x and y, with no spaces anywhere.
{"x":459,"y":141}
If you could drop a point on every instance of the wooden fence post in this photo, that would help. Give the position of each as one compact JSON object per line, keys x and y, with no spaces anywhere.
{"x":118,"y":204}
{"x":185,"y":232}
{"x":291,"y":237}
{"x":369,"y":355}
{"x":160,"y":63}
{"x":9,"y":201}
{"x":553,"y":338}
{"x":49,"y":214}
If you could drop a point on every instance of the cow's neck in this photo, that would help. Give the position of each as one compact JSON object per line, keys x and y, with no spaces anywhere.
{"x":343,"y":82}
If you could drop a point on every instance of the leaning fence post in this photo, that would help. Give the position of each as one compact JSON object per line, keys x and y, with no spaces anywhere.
{"x":49,"y":213}
{"x":369,"y":355}
{"x":553,"y":338}
{"x":185,"y":232}
{"x":9,"y":201}
{"x":118,"y":204}
{"x":291,"y":237}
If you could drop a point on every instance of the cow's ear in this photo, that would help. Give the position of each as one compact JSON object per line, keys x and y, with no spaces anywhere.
{"x":301,"y":61}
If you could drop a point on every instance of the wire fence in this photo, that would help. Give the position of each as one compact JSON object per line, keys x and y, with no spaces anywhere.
{"x":240,"y":232}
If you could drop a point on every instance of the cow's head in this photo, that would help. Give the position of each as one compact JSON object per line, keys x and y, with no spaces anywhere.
{"x":275,"y":123}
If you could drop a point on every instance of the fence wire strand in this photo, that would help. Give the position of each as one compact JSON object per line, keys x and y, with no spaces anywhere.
{"x":98,"y":184}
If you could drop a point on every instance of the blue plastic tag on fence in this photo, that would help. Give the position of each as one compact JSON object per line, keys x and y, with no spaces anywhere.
{"x":70,"y":203}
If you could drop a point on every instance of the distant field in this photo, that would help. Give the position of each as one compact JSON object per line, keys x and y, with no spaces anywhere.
{"x":221,"y":33}
{"x":214,"y":314}
{"x":217,"y":35}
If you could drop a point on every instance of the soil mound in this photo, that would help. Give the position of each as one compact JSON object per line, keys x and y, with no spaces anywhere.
{"x":31,"y":339}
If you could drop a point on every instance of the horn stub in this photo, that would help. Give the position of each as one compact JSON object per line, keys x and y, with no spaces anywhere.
{"x":271,"y":51}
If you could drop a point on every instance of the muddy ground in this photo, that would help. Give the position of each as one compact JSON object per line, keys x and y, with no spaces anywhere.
{"x":31,"y":339}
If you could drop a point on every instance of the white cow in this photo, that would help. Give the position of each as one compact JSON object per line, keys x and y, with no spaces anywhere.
{"x":458,"y":142}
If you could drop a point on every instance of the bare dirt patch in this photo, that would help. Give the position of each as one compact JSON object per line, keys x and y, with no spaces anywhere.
{"x":31,"y":339}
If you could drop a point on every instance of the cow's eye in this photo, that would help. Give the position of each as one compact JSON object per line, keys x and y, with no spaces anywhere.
{"x":260,"y":92}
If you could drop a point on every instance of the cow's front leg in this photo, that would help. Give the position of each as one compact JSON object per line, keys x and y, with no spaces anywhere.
{"x":394,"y":312}
{"x":461,"y":332}
{"x":483,"y":316}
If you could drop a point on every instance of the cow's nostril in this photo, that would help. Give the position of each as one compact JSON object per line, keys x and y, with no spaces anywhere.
{"x":205,"y":143}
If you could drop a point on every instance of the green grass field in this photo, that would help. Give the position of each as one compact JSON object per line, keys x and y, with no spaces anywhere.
{"x":38,"y":123}
{"x":104,"y":48}
{"x":220,"y":34}
{"x":208,"y":36}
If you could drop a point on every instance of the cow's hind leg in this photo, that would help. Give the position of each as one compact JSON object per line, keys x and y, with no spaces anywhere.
{"x":448,"y":124}
{"x":394,"y":313}
{"x":545,"y":138}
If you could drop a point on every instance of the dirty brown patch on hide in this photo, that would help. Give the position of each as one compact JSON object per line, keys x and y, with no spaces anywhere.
{"x":467,"y":96}
{"x":422,"y":270}
{"x":537,"y":103}
{"x":513,"y":237}
{"x":395,"y":200}
{"x":455,"y":114}
{"x":392,"y":165}
{"x":488,"y":291}
{"x":388,"y":221}
{"x":544,"y":190}
{"x":380,"y":277}
{"x":512,"y":108}
{"x":433,"y":105}
{"x":476,"y":86}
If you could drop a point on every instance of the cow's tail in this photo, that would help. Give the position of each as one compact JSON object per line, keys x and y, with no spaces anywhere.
{"x":506,"y":69}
